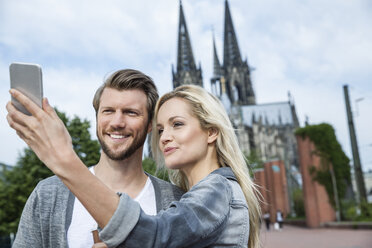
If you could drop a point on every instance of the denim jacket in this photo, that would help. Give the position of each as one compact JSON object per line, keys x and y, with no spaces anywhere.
{"x":213,"y":213}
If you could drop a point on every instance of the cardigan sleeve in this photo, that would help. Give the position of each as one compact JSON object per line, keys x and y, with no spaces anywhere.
{"x":29,"y":228}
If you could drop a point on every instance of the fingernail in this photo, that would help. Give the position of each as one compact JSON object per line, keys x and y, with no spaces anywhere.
{"x":46,"y":101}
{"x":11,"y":91}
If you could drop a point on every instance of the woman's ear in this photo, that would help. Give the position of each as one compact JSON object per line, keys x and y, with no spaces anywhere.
{"x":212,"y":135}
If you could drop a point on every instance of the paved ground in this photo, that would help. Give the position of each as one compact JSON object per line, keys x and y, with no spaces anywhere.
{"x":297,"y":237}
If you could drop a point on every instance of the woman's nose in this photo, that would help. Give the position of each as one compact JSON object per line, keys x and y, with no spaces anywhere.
{"x":165,"y":137}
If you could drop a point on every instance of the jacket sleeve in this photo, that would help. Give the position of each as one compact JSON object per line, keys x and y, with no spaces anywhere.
{"x":29,"y":229}
{"x":195,"y":221}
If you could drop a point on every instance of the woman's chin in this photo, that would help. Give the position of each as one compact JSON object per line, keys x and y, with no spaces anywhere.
{"x":173,"y":166}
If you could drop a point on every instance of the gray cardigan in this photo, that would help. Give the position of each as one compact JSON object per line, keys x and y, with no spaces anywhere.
{"x":47,"y":214}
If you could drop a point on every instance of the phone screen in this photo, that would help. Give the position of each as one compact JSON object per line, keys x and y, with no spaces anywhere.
{"x":27,"y":78}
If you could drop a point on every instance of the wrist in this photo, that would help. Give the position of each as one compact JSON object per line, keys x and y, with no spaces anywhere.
{"x":68,"y":163}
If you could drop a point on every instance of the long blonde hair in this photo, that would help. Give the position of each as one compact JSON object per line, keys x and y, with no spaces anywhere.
{"x":211,"y":114}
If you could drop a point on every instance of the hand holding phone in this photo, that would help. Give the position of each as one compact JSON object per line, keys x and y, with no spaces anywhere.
{"x":27,"y":78}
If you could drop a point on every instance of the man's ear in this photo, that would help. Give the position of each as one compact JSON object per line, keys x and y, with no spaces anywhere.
{"x":212,"y":135}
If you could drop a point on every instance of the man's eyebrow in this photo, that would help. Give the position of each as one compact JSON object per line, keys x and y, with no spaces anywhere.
{"x":124,"y":109}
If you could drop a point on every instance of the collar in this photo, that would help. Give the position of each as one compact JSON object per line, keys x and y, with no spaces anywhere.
{"x":225,"y":172}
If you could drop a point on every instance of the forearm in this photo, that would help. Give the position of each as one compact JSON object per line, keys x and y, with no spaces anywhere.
{"x":97,"y":198}
{"x":195,"y":221}
{"x":45,"y":133}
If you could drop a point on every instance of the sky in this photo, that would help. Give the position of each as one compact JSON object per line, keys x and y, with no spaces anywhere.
{"x":310,"y":48}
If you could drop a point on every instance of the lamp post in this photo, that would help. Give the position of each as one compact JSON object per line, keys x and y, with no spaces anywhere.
{"x":354,"y":147}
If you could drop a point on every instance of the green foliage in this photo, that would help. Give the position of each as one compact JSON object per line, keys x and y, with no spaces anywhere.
{"x":17,"y":183}
{"x":354,"y":213}
{"x":298,"y":201}
{"x":349,"y":210}
{"x":254,"y":161}
{"x":149,"y":166}
{"x":331,"y":153}
{"x":86,"y":148}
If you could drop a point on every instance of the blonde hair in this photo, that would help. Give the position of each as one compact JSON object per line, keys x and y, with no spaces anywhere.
{"x":211,"y":114}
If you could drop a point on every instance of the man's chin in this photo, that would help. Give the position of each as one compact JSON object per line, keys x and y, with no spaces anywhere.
{"x":121,"y":155}
{"x":117,"y":156}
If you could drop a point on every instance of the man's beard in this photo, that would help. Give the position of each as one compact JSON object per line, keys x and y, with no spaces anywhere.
{"x":136,"y":144}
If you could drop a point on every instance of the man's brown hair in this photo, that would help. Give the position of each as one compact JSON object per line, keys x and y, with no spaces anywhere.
{"x":129,"y":79}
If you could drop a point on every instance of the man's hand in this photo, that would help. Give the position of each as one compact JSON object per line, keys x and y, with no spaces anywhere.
{"x":99,"y":245}
{"x":44,"y":132}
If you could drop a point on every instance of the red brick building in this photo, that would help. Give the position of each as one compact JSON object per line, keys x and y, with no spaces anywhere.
{"x":272,"y":183}
{"x":317,"y":207}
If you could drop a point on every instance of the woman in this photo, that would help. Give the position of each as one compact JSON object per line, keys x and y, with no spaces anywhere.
{"x":197,"y":140}
{"x":193,"y":123}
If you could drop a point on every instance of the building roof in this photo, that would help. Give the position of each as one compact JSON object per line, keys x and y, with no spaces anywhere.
{"x":279,"y":113}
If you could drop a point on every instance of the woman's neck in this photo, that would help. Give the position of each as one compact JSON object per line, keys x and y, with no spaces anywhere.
{"x":199,"y":170}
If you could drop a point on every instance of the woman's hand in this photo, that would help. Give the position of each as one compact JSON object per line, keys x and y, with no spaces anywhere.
{"x":44,"y":132}
{"x":48,"y":137}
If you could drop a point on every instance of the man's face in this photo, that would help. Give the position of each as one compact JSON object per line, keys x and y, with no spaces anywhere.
{"x":122,"y":122}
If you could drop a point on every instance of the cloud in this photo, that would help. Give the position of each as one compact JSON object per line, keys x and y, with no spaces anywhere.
{"x":310,"y":48}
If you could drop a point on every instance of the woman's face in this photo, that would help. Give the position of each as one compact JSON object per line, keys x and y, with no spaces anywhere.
{"x":181,"y":139}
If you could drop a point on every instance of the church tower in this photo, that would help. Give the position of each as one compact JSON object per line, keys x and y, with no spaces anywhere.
{"x":216,"y":84}
{"x":187,"y":72}
{"x":235,"y":71}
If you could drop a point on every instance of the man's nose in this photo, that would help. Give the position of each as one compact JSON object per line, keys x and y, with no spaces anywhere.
{"x":118,"y":120}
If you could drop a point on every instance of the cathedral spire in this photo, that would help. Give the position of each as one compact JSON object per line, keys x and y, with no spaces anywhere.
{"x":231,"y":52}
{"x":187,"y":72}
{"x":216,"y":62}
{"x":236,"y":72}
{"x":185,"y":59}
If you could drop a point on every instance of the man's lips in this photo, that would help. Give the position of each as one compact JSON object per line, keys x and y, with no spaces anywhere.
{"x":116,"y":136}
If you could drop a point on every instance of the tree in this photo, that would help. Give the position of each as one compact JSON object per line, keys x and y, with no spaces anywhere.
{"x":298,"y":202}
{"x":254,"y":161}
{"x":333,"y":159}
{"x":149,"y":166}
{"x":17,"y":184}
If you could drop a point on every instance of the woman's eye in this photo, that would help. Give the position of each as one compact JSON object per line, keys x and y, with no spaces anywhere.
{"x":177,"y":124}
{"x":160,"y":131}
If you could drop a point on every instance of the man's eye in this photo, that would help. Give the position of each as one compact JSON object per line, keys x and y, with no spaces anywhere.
{"x":132,"y":113}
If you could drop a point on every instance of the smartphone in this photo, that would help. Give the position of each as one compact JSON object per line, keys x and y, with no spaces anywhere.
{"x":27,"y":78}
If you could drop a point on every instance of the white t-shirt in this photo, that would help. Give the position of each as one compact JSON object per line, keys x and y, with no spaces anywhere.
{"x":79,"y":234}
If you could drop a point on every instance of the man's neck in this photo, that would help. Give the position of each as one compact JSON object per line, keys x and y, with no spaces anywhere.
{"x":126,"y":176}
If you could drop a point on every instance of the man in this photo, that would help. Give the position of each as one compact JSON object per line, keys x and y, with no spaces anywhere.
{"x":124,"y":107}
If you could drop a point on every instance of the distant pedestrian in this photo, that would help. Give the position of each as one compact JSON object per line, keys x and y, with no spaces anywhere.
{"x":266,"y":217}
{"x":279,"y":219}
